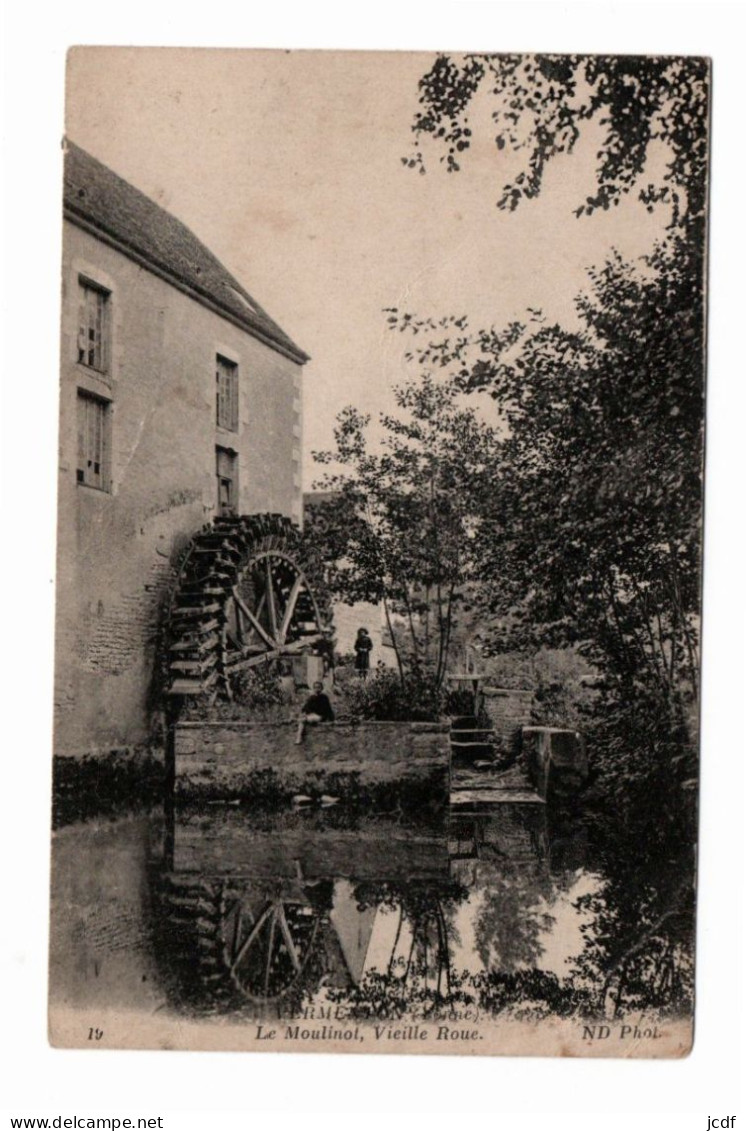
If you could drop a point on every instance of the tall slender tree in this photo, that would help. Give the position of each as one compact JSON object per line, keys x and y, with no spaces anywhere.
{"x":401,"y":520}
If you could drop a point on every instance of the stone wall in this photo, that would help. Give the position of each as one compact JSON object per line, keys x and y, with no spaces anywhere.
{"x":117,"y":549}
{"x":251,"y":760}
{"x":555,"y":759}
{"x":508,"y":709}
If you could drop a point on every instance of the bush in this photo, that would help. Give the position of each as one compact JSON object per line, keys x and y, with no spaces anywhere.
{"x":459,"y":701}
{"x":646,"y":762}
{"x":383,"y":696}
{"x":260,"y":694}
{"x":258,"y":688}
{"x":562,"y":680}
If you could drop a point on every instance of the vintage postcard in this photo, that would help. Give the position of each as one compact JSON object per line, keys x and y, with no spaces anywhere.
{"x":379,"y":552}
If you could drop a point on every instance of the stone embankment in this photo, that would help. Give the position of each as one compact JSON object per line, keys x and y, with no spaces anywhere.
{"x":240,"y":759}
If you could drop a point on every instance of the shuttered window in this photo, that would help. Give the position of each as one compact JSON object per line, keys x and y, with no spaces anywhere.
{"x":93,"y":327}
{"x":226,"y":394}
{"x":226,"y":466}
{"x":93,"y":441}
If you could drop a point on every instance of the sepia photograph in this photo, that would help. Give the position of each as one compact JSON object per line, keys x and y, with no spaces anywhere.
{"x":379,"y":552}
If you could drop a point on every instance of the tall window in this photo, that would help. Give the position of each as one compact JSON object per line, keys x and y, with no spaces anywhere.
{"x":93,"y":441}
{"x":226,"y":394}
{"x":93,"y":327}
{"x":226,"y":466}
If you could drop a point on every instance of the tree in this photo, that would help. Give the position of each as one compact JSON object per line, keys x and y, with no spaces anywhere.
{"x":591,"y":534}
{"x":596,"y":526}
{"x":401,"y":522}
{"x":542,"y":103}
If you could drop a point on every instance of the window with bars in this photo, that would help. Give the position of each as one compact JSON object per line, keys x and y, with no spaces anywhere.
{"x":226,"y":467}
{"x":226,"y":394}
{"x":93,"y":441}
{"x":93,"y":326}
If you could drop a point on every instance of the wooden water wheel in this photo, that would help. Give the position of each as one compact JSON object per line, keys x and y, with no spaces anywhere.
{"x":248,"y":592}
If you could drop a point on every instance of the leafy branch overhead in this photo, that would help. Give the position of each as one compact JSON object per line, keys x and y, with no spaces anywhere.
{"x":540,"y":104}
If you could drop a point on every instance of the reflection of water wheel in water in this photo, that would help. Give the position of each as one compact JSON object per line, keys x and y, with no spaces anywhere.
{"x":230,"y":944}
{"x":267,"y":945}
{"x":247,"y":593}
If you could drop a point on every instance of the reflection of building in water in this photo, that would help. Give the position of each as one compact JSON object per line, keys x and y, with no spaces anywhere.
{"x":291,"y":846}
{"x":266,"y":916}
{"x":271,"y":915}
{"x":234,"y":913}
{"x":101,"y":916}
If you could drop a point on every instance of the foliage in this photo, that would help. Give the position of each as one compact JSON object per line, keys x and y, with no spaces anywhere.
{"x":563,"y":682}
{"x":639,"y":930}
{"x":385,"y":696}
{"x":259,"y":687}
{"x":460,"y":701}
{"x":260,"y":692}
{"x":647,"y":763}
{"x":542,"y":103}
{"x":399,"y":524}
{"x":592,"y":536}
{"x":529,"y":992}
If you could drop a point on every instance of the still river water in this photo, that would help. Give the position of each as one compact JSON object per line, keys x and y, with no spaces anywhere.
{"x":315,"y":914}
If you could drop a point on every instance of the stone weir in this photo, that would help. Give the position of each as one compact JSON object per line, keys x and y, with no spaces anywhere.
{"x":363,"y":761}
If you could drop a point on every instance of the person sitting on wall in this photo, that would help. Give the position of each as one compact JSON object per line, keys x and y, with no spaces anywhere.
{"x":316,"y":709}
{"x":363,"y":647}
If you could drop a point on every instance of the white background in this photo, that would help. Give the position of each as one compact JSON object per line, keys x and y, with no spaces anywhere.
{"x":233,"y":1090}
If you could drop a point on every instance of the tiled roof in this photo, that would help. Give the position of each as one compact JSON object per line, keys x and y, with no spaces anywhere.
{"x":98,"y":199}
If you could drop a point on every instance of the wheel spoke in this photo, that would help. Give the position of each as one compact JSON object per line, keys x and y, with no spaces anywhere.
{"x":230,"y":639}
{"x":303,"y":642}
{"x":250,"y":938}
{"x":260,"y":606}
{"x":237,"y":911}
{"x":252,"y":620}
{"x":271,"y":609}
{"x":294,"y":956}
{"x":290,"y":608}
{"x":241,"y":665}
{"x":270,"y":948}
{"x":250,"y":661}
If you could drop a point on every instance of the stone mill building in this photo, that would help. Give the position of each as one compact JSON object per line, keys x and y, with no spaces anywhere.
{"x":180,"y":398}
